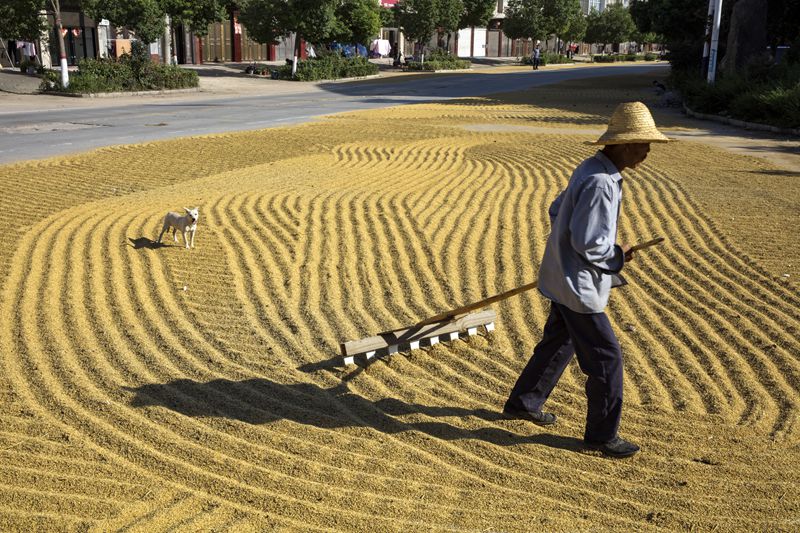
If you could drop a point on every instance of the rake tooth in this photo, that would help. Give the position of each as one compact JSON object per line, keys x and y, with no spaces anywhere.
{"x":350,"y":360}
{"x":370,"y":355}
{"x":434,"y":340}
{"x":454,"y":336}
{"x":489,"y":327}
{"x":392,"y":349}
{"x":414,"y":345}
{"x":472,"y":331}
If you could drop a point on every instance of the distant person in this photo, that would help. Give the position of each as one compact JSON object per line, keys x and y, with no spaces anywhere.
{"x":582,"y":261}
{"x":398,"y":57}
{"x":537,"y":57}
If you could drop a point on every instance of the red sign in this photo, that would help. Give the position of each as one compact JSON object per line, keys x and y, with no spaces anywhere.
{"x":388,"y":3}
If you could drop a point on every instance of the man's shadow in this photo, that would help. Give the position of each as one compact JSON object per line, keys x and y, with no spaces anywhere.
{"x":261,"y":401}
{"x":144,"y":242}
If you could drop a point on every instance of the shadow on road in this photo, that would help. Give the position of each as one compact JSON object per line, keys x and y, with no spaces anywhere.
{"x":144,"y":242}
{"x":261,"y":401}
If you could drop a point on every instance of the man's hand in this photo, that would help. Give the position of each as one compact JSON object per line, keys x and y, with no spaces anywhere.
{"x":626,"y":249}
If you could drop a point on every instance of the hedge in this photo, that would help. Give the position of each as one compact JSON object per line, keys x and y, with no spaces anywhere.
{"x":134,"y":72}
{"x":766,"y":94}
{"x":547,"y":58}
{"x":328,"y":67}
{"x":439,"y":60}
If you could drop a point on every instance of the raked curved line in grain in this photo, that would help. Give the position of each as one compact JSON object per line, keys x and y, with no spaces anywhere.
{"x":176,"y":389}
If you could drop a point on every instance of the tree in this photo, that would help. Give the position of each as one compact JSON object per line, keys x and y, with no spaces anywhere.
{"x":418,"y":20}
{"x":19,"y":19}
{"x":559,"y":15}
{"x":476,"y":13}
{"x":145,"y":18}
{"x":524,"y":20}
{"x":613,"y":25}
{"x":197,"y":14}
{"x":681,"y":22}
{"x":267,"y":21}
{"x":449,"y":15}
{"x":22,"y":19}
{"x":357,"y":21}
{"x":576,"y":30}
{"x":783,"y":24}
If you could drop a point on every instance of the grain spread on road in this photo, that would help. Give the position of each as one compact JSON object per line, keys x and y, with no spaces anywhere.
{"x":158,"y":388}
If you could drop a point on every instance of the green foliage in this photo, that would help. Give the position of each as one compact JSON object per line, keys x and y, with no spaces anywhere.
{"x":556,"y":15}
{"x":267,"y":21}
{"x":135,"y":72}
{"x":329,"y":67}
{"x":548,"y":58}
{"x":449,"y":14}
{"x":767,"y":94}
{"x":440,"y":60}
{"x":197,"y":14}
{"x":357,"y":21}
{"x":783,"y":22}
{"x":613,"y":25}
{"x":681,"y":25}
{"x":613,"y":58}
{"x":576,"y":28}
{"x":387,"y":15}
{"x":524,"y":20}
{"x":19,"y":19}
{"x":417,"y":18}
{"x":477,"y":13}
{"x":144,"y":17}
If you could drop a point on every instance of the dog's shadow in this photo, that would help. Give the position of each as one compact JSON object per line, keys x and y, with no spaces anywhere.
{"x":144,"y":242}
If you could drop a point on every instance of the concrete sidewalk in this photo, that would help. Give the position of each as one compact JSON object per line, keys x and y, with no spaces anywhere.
{"x":15,"y":82}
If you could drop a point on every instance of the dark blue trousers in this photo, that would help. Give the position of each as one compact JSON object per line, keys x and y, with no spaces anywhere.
{"x":591,"y":338}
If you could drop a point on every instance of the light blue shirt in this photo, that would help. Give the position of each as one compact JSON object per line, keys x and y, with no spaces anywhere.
{"x":581,"y":258}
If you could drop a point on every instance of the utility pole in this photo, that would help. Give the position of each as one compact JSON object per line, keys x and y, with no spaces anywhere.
{"x":707,"y":39}
{"x":62,"y":51}
{"x":712,"y":55}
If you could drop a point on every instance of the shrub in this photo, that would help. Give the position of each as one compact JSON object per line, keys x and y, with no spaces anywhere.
{"x":134,"y":72}
{"x":650,"y":56}
{"x":604,"y":59}
{"x":547,"y":58}
{"x":767,"y":94}
{"x":631,"y":57}
{"x":439,"y":60}
{"x":329,"y":67}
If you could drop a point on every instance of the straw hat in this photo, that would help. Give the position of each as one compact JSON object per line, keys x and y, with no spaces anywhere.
{"x":631,"y":123}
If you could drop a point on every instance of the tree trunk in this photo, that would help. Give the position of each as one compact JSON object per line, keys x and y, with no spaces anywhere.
{"x":62,"y":49}
{"x":297,"y":42}
{"x":747,"y":37}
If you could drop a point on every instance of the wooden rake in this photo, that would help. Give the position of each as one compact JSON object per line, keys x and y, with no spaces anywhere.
{"x":449,"y":324}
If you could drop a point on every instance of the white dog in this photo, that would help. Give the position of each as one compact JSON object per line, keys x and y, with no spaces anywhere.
{"x":184,"y":223}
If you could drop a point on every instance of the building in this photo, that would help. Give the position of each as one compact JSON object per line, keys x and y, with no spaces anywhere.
{"x":600,"y":5}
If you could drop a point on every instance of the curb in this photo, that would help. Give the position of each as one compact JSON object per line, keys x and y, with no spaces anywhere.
{"x":337,"y":80}
{"x":119,"y":94}
{"x":740,"y":123}
{"x":447,"y":70}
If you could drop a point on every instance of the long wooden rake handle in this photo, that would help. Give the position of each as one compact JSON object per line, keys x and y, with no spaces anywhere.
{"x":448,"y":315}
{"x":642,"y":246}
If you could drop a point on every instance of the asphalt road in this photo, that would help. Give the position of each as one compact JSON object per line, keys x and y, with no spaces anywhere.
{"x":41,"y":133}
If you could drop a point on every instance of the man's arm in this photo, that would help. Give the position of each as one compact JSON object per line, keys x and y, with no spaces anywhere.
{"x":554,"y":207}
{"x":592,"y":228}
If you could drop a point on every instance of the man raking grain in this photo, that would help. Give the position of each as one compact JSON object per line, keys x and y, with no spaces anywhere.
{"x":582,"y":262}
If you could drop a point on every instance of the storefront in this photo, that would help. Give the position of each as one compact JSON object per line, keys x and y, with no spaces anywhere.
{"x":80,"y":37}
